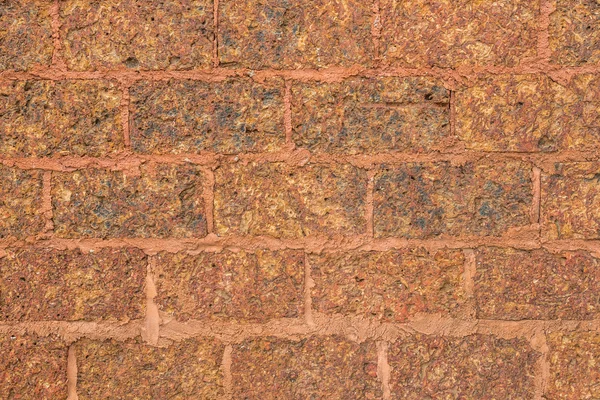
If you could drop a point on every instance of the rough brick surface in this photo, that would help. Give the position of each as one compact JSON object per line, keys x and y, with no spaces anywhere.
{"x":20,"y":203}
{"x":25,"y":34}
{"x":187,"y":117}
{"x":575,"y":32}
{"x":185,"y":370}
{"x":328,"y":367}
{"x":38,"y":285}
{"x":425,"y":200}
{"x":372,"y":115}
{"x":440,"y":33}
{"x":286,"y":34}
{"x":282,"y":201}
{"x":390,"y":286}
{"x":48,"y":118}
{"x":33,"y":367}
{"x":472,"y":367}
{"x":164,"y":201}
{"x":573,"y":359}
{"x":231,"y":286}
{"x":135,"y":34}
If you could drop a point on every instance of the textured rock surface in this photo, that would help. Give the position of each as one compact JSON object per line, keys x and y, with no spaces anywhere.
{"x":327,"y":367}
{"x":372,"y":115}
{"x":164,"y":201}
{"x":425,"y":200}
{"x":189,"y":116}
{"x":231,"y":286}
{"x":390,"y":286}
{"x":472,"y":367}
{"x":56,"y":285}
{"x":20,"y":203}
{"x":184,"y":370}
{"x":575,"y":32}
{"x":51,"y":118}
{"x":283,"y":201}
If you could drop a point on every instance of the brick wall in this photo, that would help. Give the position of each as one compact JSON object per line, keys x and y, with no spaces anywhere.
{"x":321,"y":199}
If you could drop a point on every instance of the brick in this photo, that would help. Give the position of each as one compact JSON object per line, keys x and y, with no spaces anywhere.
{"x":570,"y":202}
{"x":573,"y":359}
{"x":25,"y":34}
{"x":425,"y":200}
{"x":390,"y":286}
{"x":472,"y":367}
{"x":231,"y":286}
{"x":189,"y":369}
{"x":327,"y":367}
{"x":284,"y":201}
{"x":164,"y":201}
{"x":20,"y":203}
{"x":439,"y":33}
{"x":574,"y":33}
{"x":50,"y":118}
{"x":135,"y":34}
{"x":556,"y":286}
{"x":372,"y":115}
{"x":301,"y":34}
{"x":234,"y":116}
{"x":33,"y":367}
{"x":38,"y":284}
{"x":528,"y":113}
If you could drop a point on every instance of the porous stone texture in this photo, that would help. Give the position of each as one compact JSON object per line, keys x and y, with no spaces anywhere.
{"x":284,"y":201}
{"x":574,"y":32}
{"x":471,"y":367}
{"x":390,"y":286}
{"x":240,"y":286}
{"x":25,"y":34}
{"x":56,"y":285}
{"x":570,"y":202}
{"x":189,"y":369}
{"x":20,"y":203}
{"x":573,"y":359}
{"x":295,"y":34}
{"x":234,"y":116}
{"x":136,"y":34}
{"x":427,"y":200}
{"x":33,"y":367}
{"x":372,"y":115}
{"x":515,"y":284}
{"x":327,"y":367}
{"x":529,"y":113}
{"x":163,"y":201}
{"x":54,"y":118}
{"x":441,"y":33}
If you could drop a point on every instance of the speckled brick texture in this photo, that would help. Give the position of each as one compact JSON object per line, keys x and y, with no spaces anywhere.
{"x":20,"y":203}
{"x":575,"y":33}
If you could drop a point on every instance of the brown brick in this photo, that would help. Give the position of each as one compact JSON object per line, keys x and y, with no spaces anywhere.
{"x":575,"y":32}
{"x":20,"y":203}
{"x":165,"y":201}
{"x":372,"y":115}
{"x":285,"y":201}
{"x":527,"y":113}
{"x":37,"y":284}
{"x":48,"y":118}
{"x":137,"y":34}
{"x":424,"y":200}
{"x":421,"y":33}
{"x":231,"y":286}
{"x":390,"y":286}
{"x":234,"y":116}
{"x":473,"y":367}
{"x":283,"y":34}
{"x":25,"y":34}
{"x":185,"y":370}
{"x":574,"y":372}
{"x":570,"y":204}
{"x":33,"y":367}
{"x":327,"y":367}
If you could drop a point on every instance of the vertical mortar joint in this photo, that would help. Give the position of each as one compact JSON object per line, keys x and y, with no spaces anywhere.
{"x":72,"y":373}
{"x":151,"y":329}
